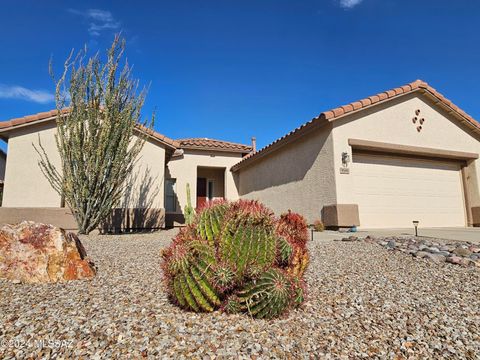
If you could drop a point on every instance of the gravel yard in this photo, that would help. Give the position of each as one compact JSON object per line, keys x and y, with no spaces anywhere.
{"x":364,"y":301}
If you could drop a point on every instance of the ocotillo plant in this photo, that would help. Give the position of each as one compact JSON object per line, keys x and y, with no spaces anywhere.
{"x":99,"y":136}
{"x":238,"y":257}
{"x":189,"y":211}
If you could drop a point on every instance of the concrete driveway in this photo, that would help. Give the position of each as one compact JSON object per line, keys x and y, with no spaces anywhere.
{"x":460,"y":234}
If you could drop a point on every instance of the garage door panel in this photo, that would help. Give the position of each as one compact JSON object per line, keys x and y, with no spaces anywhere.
{"x":391,"y":192}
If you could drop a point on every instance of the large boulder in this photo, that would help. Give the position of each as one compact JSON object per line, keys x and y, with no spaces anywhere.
{"x":37,"y":253}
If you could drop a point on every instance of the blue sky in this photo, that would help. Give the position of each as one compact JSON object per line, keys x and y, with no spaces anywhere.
{"x":235,"y":69}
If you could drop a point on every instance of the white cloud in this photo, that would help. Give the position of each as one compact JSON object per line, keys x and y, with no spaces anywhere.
{"x":98,"y":20}
{"x":19,"y":92}
{"x":349,"y":4}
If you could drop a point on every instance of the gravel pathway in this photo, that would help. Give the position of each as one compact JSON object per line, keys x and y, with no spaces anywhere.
{"x":364,"y":301}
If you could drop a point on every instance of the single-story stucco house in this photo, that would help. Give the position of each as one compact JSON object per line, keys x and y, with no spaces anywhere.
{"x":402,"y":155}
{"x":154,"y":196}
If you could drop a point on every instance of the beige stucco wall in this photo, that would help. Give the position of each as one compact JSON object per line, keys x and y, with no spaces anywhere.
{"x":391,"y":122}
{"x":184,"y":170}
{"x":299,"y":176}
{"x":26,"y":186}
{"x":145,"y":188}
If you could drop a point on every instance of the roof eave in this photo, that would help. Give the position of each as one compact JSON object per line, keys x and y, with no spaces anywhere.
{"x":151,"y":134}
{"x":332,"y":119}
{"x":314,"y":124}
{"x":6,"y":130}
{"x":206,"y":148}
{"x":464,"y":119}
{"x":434,"y":96}
{"x":437,"y":100}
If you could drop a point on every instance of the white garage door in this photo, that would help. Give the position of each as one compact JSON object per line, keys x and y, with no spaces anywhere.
{"x":394,"y":191}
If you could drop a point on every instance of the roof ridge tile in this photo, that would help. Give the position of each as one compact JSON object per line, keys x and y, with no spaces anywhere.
{"x":213,"y":144}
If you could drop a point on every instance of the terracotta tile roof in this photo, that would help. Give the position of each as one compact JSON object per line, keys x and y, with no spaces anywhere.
{"x":212,"y":144}
{"x":334,"y":114}
{"x":35,"y":118}
{"x":164,"y":139}
{"x":51,"y":115}
{"x":389,"y":94}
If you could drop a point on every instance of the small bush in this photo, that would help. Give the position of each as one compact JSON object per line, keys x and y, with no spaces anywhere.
{"x":238,"y":257}
{"x":318,"y":225}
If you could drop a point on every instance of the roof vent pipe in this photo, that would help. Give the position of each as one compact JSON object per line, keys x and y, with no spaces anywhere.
{"x":254,"y":144}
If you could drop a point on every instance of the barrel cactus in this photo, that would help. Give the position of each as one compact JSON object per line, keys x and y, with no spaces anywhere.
{"x":240,"y":258}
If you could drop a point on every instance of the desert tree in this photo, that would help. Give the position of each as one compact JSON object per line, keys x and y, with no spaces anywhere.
{"x":99,"y":133}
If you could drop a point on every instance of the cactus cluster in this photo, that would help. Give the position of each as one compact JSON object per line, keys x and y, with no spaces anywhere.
{"x":238,"y":257}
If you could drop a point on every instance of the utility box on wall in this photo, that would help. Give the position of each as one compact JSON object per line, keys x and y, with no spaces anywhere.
{"x":340,"y":215}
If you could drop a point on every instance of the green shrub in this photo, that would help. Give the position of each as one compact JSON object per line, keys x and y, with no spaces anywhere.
{"x":238,"y":257}
{"x":318,"y":225}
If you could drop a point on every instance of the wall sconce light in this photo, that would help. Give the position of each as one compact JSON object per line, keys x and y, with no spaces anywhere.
{"x":415,"y":223}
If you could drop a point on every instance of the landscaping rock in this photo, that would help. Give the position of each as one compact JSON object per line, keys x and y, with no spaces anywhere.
{"x":37,"y":253}
{"x":474,"y":249}
{"x":444,"y":253}
{"x":350,"y":238}
{"x":363,"y":302}
{"x":391,"y":244}
{"x":454,"y":260}
{"x":439,"y":251}
{"x":468,"y":262}
{"x":460,"y":251}
{"x":421,"y":254}
{"x":435,"y":258}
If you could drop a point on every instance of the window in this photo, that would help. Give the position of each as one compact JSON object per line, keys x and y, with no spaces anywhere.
{"x":170,"y":195}
{"x":210,"y":184}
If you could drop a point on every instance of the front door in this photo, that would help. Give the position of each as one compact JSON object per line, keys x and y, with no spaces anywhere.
{"x":201,"y":192}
